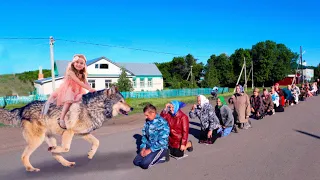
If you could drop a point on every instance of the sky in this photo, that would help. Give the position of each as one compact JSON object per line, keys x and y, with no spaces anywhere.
{"x":200,"y":27}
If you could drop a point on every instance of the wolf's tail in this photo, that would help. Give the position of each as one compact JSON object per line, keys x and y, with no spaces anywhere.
{"x":12,"y":117}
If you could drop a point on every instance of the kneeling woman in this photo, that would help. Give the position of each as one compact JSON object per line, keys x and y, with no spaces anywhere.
{"x":209,"y":122}
{"x":224,"y":113}
{"x":179,"y":128}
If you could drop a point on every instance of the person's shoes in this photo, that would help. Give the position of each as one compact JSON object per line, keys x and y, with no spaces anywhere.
{"x":62,"y":124}
{"x":167,"y":157}
{"x":190,"y":149}
{"x":235,"y":129}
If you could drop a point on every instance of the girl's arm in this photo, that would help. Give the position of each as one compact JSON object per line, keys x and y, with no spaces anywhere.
{"x":77,"y":80}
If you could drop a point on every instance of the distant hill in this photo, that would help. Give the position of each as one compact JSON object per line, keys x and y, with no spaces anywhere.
{"x":20,"y":84}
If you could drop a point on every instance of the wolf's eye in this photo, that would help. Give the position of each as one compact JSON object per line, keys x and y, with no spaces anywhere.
{"x":121,"y":101}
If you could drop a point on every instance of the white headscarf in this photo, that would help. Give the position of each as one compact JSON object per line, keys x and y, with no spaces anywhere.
{"x":203,"y":100}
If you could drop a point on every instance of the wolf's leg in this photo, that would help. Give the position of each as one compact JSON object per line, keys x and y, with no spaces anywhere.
{"x":52,"y":142}
{"x":95,"y":144}
{"x":66,"y":142}
{"x":34,"y":135}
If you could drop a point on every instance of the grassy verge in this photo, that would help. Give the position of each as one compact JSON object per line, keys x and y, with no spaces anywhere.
{"x":138,"y":104}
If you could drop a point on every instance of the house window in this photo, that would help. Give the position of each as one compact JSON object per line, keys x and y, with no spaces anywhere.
{"x":104,"y":66}
{"x":142,"y":82}
{"x":149,"y":82}
{"x":108,"y":83}
{"x":96,"y":66}
{"x":92,"y":83}
{"x":134,"y":82}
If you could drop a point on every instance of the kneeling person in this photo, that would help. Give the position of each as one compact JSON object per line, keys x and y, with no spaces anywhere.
{"x":179,"y":128}
{"x":155,"y":133}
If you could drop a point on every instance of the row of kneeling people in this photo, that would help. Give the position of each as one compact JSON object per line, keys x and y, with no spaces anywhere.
{"x":166,"y":134}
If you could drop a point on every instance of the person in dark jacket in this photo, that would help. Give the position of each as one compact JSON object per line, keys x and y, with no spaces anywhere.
{"x":256,"y":104}
{"x":179,"y":128}
{"x":267,"y":103}
{"x":224,"y":113}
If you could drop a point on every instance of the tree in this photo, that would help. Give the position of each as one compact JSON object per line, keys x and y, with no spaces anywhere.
{"x":237,"y":59}
{"x":224,"y":69}
{"x":264,"y":57}
{"x":124,"y":84}
{"x":317,"y":72}
{"x":211,"y":74}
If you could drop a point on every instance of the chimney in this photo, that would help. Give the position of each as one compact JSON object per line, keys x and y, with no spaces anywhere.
{"x":40,"y":75}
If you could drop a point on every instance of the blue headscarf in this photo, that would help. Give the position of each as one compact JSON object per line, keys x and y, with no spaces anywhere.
{"x":176,"y":106}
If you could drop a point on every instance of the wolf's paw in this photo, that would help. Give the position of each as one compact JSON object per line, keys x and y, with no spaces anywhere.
{"x":91,"y":154}
{"x":51,"y":148}
{"x":32,"y":169}
{"x":69,"y":164}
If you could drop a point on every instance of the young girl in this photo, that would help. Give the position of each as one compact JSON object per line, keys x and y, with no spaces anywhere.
{"x":72,"y":88}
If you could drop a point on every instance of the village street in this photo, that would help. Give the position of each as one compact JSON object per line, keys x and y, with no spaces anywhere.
{"x":283,"y":146}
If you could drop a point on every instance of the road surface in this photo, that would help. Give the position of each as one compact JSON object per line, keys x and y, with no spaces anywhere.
{"x":283,"y":146}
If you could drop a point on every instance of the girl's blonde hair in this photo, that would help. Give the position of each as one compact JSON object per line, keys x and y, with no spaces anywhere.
{"x":82,"y":72}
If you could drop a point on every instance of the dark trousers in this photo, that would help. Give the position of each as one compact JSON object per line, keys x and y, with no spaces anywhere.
{"x":279,"y":108}
{"x":151,"y":159}
{"x":176,"y":152}
{"x":204,"y":136}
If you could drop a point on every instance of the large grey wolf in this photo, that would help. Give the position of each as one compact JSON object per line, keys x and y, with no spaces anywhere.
{"x":82,"y":118}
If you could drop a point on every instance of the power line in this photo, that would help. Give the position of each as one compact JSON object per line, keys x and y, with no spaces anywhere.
{"x":99,"y":44}
{"x":16,"y":38}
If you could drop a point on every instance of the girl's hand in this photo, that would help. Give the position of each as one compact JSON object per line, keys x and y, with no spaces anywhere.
{"x":92,"y":90}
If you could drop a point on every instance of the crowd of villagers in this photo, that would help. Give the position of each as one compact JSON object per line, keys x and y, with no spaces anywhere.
{"x":165,"y":134}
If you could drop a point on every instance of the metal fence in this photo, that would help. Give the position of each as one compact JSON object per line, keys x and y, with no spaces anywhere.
{"x":137,"y":95}
{"x":21,"y":99}
{"x":172,"y":93}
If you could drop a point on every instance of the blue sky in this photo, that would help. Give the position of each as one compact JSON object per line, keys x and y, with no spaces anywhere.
{"x":201,"y":28}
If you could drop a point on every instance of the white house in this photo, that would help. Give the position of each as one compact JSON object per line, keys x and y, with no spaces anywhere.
{"x":102,"y":72}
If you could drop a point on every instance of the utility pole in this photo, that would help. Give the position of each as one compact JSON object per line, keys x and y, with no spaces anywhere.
{"x":245,"y":73}
{"x":301,"y":65}
{"x":190,"y":75}
{"x":252,"y":73}
{"x":51,"y":41}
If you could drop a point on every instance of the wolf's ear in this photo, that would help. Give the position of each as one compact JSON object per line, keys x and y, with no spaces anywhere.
{"x":107,"y":92}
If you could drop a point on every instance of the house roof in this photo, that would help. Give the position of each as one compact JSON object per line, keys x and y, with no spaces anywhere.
{"x":136,"y":69}
{"x":142,"y":69}
{"x":45,"y":80}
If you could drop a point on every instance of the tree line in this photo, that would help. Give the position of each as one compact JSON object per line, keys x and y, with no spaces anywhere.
{"x":271,"y":63}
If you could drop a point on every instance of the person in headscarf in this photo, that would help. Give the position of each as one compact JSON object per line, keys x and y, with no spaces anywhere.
{"x":267,"y":103}
{"x":242,"y":107}
{"x":276,"y":100}
{"x":209,"y":122}
{"x":256,"y":104}
{"x":179,"y":128}
{"x":224,"y":113}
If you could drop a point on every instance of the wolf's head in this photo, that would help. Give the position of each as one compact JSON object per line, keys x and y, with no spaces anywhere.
{"x":119,"y":105}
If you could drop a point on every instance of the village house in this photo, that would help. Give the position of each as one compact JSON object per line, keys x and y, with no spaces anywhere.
{"x":102,"y":72}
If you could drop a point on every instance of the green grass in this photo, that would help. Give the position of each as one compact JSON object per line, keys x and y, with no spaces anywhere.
{"x":10,"y":84}
{"x":138,"y":104}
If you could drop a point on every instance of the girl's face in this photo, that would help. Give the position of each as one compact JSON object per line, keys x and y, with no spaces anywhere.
{"x":79,"y":64}
{"x":255,"y":93}
{"x":265,"y":93}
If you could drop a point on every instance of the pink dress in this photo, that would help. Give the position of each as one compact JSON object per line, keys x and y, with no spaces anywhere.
{"x":69,"y":91}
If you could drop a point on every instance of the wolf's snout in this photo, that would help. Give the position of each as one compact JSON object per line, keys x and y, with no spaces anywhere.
{"x":131,"y":109}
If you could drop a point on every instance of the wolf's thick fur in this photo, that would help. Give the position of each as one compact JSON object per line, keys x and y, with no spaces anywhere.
{"x":82,"y":118}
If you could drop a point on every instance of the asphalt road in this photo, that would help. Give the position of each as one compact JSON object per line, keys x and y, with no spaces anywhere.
{"x":283,"y":146}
